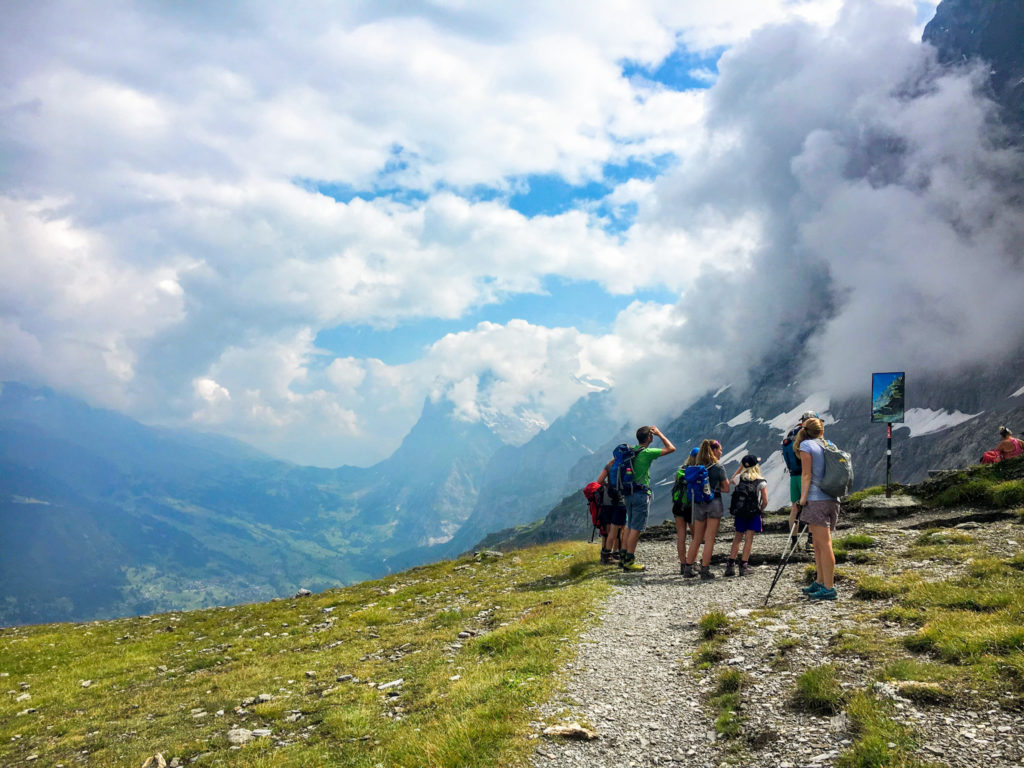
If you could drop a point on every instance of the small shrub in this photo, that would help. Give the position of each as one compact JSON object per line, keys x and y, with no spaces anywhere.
{"x":1008,"y":494}
{"x":818,"y":691}
{"x":855,"y":541}
{"x":786,"y":644}
{"x":973,"y":492}
{"x":709,"y":652}
{"x":713,"y":623}
{"x":730,"y":680}
{"x":729,"y":722}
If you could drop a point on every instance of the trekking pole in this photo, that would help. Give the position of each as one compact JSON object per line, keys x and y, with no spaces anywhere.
{"x":787,"y":552}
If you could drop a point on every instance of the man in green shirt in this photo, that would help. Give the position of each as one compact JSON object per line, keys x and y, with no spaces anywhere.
{"x":638,"y":503}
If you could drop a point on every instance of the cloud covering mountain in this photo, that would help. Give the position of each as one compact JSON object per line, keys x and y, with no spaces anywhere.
{"x":291,"y":227}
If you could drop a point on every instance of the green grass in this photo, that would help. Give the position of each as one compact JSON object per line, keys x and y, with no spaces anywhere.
{"x":875,"y":490}
{"x":817,"y":690}
{"x":709,"y":653}
{"x":726,"y":701}
{"x":872,"y":587}
{"x":864,"y":642}
{"x":464,"y":701}
{"x":855,"y":541}
{"x":713,"y":623}
{"x":881,"y":741}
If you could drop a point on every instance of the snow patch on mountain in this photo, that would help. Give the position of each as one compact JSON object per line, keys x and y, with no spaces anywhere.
{"x":735,"y":454}
{"x":1018,"y":393}
{"x":925,"y":421}
{"x":818,"y":402}
{"x":774,"y":470}
{"x":721,"y":390}
{"x":742,"y":418}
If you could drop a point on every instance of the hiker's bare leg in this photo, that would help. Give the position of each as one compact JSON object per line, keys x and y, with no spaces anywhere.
{"x":613,"y":537}
{"x":631,"y":537}
{"x":747,"y":546}
{"x":698,"y":537}
{"x":735,"y":550}
{"x":709,"y":540}
{"x":681,"y":528}
{"x":824,"y":557}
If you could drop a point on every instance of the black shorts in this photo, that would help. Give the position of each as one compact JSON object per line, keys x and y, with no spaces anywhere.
{"x":613,"y":514}
{"x":684,"y":511}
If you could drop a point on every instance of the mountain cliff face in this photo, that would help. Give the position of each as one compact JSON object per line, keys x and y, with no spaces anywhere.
{"x":952,"y":418}
{"x":990,"y":30}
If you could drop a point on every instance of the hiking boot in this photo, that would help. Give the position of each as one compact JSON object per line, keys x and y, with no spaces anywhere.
{"x":705,"y":572}
{"x":616,"y":556}
{"x":688,"y":572}
{"x":730,"y":568}
{"x":632,"y":565}
{"x":606,"y":557}
{"x":745,"y":569}
{"x":814,"y":587}
{"x":824,"y":594}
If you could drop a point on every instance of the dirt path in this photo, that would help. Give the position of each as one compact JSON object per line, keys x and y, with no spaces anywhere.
{"x":636,"y":684}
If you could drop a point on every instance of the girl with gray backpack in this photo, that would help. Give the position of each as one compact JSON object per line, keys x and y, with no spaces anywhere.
{"x":818,"y":508}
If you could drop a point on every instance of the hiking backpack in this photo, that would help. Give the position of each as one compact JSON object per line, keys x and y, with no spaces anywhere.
{"x":789,"y":454}
{"x":594,"y":494}
{"x":680,"y":495}
{"x":838,"y":477}
{"x":697,"y":485}
{"x":621,"y":475}
{"x":746,"y":499}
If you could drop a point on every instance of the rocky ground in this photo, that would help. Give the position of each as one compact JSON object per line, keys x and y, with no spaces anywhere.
{"x":636,"y":685}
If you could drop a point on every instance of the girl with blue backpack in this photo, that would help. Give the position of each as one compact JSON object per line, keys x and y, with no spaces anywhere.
{"x":707,"y":508}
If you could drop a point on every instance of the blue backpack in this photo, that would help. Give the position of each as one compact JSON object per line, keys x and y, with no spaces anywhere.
{"x":789,"y":455}
{"x":697,"y":485}
{"x":620,"y":477}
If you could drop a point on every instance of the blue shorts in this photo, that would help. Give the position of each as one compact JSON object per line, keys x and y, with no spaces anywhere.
{"x":613,"y":514}
{"x":638,"y":504}
{"x":744,"y":524}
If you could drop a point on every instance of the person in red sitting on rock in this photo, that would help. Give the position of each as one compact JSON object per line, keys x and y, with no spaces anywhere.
{"x":1009,"y":448}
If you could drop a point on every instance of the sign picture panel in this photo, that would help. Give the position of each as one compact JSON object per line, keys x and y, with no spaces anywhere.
{"x":888,"y":392}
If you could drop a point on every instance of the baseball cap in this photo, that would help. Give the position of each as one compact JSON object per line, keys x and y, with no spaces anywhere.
{"x":750,"y":460}
{"x":694,"y":451}
{"x":809,"y":415}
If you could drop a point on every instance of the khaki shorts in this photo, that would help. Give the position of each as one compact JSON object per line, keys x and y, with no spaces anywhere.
{"x":710,"y":510}
{"x":821,"y":513}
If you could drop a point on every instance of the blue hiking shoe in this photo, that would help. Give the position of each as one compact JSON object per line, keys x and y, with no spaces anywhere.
{"x":814,"y":587}
{"x":824,"y":594}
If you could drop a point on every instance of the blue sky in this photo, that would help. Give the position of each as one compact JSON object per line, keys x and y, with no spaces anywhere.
{"x":295,"y":228}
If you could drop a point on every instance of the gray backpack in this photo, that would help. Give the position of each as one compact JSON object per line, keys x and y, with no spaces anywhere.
{"x":838,"y":477}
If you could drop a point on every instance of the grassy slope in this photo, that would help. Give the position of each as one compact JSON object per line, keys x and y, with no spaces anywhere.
{"x":158,"y":683}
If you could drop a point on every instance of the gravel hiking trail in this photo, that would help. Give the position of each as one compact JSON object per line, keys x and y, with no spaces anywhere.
{"x":635,"y":682}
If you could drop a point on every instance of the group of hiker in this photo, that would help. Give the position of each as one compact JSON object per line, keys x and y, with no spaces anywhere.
{"x":620,"y":501}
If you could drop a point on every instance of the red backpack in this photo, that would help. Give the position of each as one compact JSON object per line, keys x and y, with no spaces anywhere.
{"x":594,"y":493}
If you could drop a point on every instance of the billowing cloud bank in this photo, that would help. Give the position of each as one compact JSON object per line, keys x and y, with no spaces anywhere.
{"x":190,"y":198}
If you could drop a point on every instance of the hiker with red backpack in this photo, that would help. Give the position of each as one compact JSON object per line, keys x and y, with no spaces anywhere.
{"x":749,"y":499}
{"x":629,"y":473}
{"x":709,"y":481}
{"x":607,"y":514}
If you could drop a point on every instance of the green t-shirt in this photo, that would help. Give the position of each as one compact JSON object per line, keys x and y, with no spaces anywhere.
{"x":642,"y":465}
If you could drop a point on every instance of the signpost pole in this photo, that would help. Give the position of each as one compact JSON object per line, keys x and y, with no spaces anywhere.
{"x":888,"y":462}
